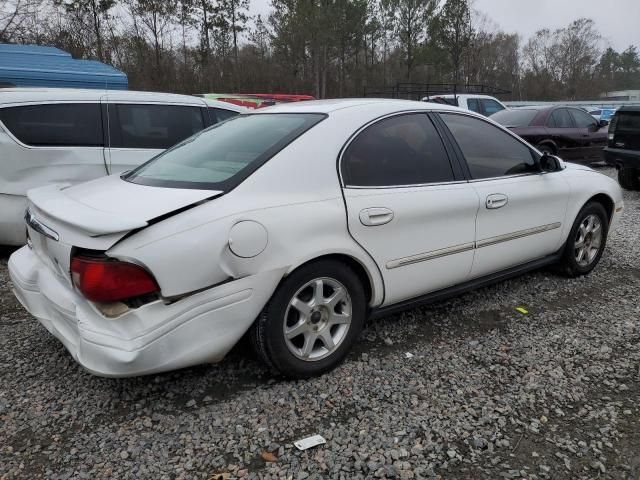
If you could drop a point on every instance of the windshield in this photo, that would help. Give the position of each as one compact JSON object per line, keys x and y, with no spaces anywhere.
{"x":221,"y":157}
{"x":514,"y":118}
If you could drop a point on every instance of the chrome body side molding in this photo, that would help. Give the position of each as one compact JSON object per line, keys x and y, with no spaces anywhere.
{"x":422,"y":257}
{"x":465,"y":247}
{"x":515,"y":235}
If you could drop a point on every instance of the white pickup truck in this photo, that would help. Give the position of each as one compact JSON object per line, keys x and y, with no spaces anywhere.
{"x":482,"y":104}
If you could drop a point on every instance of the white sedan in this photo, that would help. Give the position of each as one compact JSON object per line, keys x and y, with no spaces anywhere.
{"x":295,"y":224}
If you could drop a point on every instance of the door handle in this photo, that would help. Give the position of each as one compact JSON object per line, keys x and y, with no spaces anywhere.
{"x":496,"y":200}
{"x":374,"y":216}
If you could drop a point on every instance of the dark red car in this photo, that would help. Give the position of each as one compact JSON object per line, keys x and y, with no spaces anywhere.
{"x":569,"y":132}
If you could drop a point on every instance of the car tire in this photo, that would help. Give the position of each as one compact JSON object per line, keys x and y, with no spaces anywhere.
{"x":628,"y":178}
{"x":321,"y":326}
{"x":548,"y":149}
{"x":586,"y":242}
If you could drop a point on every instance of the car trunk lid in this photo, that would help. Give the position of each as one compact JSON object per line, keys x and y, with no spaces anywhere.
{"x":96,"y":214}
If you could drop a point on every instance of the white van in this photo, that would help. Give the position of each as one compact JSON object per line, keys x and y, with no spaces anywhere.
{"x":482,"y":104}
{"x":67,"y":136}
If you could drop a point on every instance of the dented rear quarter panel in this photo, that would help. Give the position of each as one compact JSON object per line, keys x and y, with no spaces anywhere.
{"x":296,"y":196}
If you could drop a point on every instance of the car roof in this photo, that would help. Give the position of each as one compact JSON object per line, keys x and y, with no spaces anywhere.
{"x":629,"y":108}
{"x":543,"y":108}
{"x":333,"y":105}
{"x":23,"y":95}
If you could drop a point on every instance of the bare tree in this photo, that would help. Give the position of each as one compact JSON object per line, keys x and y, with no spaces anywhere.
{"x":413,"y":20}
{"x":154,"y":19}
{"x":323,"y":47}
{"x":93,"y":12}
{"x":579,"y":44}
{"x":454,"y":32}
{"x":13,"y":16}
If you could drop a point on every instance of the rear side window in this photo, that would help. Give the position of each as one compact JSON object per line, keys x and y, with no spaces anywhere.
{"x":56,"y":125}
{"x":221,"y":114}
{"x":152,"y":126}
{"x":560,"y":119}
{"x":490,"y":106}
{"x":402,"y":150}
{"x":488,"y":150}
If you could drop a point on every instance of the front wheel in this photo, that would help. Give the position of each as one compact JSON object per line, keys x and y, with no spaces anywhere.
{"x":312,"y":320}
{"x":586,"y":242}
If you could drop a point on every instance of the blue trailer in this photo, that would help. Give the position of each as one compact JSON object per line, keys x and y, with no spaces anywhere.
{"x":38,"y":66}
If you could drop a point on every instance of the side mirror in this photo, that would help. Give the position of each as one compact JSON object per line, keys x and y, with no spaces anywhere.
{"x":549,"y":163}
{"x":603,"y":123}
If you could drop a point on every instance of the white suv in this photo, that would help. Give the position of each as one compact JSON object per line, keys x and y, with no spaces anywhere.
{"x":67,"y":136}
{"x":482,"y":104}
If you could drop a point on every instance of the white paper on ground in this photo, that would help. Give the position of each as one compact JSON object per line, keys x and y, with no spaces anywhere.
{"x":309,"y":442}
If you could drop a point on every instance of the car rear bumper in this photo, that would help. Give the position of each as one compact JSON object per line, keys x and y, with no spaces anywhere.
{"x":618,"y":157}
{"x":156,"y":337}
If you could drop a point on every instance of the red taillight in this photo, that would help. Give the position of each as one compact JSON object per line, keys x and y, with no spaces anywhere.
{"x":110,"y":280}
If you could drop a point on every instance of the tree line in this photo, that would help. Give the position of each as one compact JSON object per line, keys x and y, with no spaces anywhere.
{"x":326,"y":48}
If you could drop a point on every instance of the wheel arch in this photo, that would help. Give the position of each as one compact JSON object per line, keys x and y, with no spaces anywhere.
{"x":606,"y":201}
{"x":366,"y":271}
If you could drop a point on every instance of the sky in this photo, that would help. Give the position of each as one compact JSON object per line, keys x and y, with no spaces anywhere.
{"x":618,"y":21}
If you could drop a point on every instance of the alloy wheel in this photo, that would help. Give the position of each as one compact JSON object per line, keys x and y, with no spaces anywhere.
{"x":317,"y":319}
{"x":588,"y":240}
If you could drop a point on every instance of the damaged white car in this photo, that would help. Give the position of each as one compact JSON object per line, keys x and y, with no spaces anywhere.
{"x":295,"y":224}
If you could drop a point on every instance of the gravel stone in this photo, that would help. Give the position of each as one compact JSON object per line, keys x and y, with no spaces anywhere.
{"x":489,"y":393}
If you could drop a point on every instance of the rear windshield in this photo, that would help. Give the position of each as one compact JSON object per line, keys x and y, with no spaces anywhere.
{"x":222,"y":156}
{"x":514,"y":118}
{"x":627,"y":121}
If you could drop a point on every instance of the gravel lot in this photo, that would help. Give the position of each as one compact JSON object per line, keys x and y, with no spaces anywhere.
{"x":488,"y":393}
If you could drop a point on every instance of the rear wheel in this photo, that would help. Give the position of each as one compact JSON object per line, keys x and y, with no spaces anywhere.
{"x":628,"y":178}
{"x":312,"y":320}
{"x":587,"y":240}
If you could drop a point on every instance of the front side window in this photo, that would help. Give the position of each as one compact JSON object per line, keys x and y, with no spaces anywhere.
{"x":491,"y":106}
{"x":583,"y":119}
{"x":397,"y":151}
{"x":489,"y":151}
{"x":560,"y":118}
{"x":150,"y":126}
{"x":55,"y":125}
{"x":221,"y":156}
